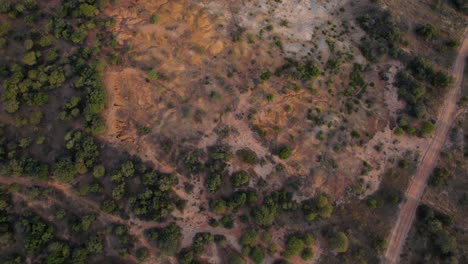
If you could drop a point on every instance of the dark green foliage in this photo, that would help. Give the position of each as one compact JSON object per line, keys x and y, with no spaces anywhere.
{"x":213,"y":181}
{"x":239,"y":179}
{"x":266,"y":75}
{"x":247,"y":155}
{"x":427,"y":31}
{"x":307,"y":254}
{"x":249,"y":238}
{"x":439,"y":177}
{"x":167,"y":238}
{"x":37,"y":234}
{"x":64,"y":170}
{"x":218,"y":206}
{"x":339,"y":242}
{"x":319,"y":206}
{"x":427,"y":128}
{"x":384,"y":34}
{"x":257,"y":255}
{"x":357,"y":83}
{"x":283,"y":152}
{"x":264,"y":215}
{"x":424,"y":71}
{"x":153,"y":202}
{"x":154,"y":18}
{"x":412,"y":92}
{"x":142,"y":254}
{"x":296,"y":244}
{"x":434,"y":226}
{"x":227,"y":221}
{"x":153,"y":75}
{"x":58,"y":253}
{"x":94,"y":245}
{"x":200,"y":241}
{"x":299,"y":71}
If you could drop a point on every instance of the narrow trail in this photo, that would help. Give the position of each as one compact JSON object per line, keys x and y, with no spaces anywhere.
{"x":445,"y":119}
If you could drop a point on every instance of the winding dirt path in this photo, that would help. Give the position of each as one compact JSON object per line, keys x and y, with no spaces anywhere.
{"x":136,"y":227}
{"x":446,"y":117}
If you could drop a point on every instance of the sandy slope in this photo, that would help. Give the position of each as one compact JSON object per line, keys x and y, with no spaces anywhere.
{"x":415,"y":191}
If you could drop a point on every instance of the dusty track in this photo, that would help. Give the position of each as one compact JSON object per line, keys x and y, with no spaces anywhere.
{"x":446,"y":117}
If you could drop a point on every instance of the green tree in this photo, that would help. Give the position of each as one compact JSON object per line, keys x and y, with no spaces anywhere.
{"x":99,"y":171}
{"x":168,"y":239}
{"x":88,"y":10}
{"x":247,"y":155}
{"x":64,"y":170}
{"x":294,"y":246}
{"x":283,"y":152}
{"x":427,"y":128}
{"x":249,"y":238}
{"x":30,"y":58}
{"x":153,"y":75}
{"x":339,"y":242}
{"x":239,"y":179}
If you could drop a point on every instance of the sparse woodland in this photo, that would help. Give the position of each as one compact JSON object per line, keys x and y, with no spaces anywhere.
{"x":244,"y":145}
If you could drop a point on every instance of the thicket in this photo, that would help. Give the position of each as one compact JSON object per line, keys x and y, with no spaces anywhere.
{"x":435,"y":229}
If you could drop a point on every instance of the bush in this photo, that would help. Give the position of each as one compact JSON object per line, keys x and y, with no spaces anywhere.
{"x":99,"y":171}
{"x":427,"y":31}
{"x":294,"y":246}
{"x":439,"y":177}
{"x":319,"y":206}
{"x":307,"y":254}
{"x":264,"y":215}
{"x":239,"y":179}
{"x":154,"y":18}
{"x":64,"y":170}
{"x":339,"y":242}
{"x":153,"y":75}
{"x":283,"y":152}
{"x":30,"y":58}
{"x":427,"y":128}
{"x":249,"y":238}
{"x":168,"y":239}
{"x":247,"y":155}
{"x":218,"y":206}
{"x":257,"y":255}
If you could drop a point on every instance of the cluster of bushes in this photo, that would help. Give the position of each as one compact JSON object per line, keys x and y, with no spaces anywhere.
{"x":39,"y":238}
{"x":283,"y":151}
{"x":264,"y":214}
{"x":215,"y":167}
{"x":299,"y":71}
{"x":250,"y":243}
{"x":167,"y":239}
{"x":439,"y":177}
{"x":427,"y":31}
{"x":425,"y":72}
{"x":299,"y":243}
{"x":318,"y":206}
{"x":247,"y":155}
{"x":154,"y":200}
{"x":384,"y":36}
{"x":434,"y":227}
{"x":42,"y":67}
{"x":234,"y":202}
{"x":199,"y":243}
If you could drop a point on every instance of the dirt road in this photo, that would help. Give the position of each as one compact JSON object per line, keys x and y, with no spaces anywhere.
{"x":416,"y":188}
